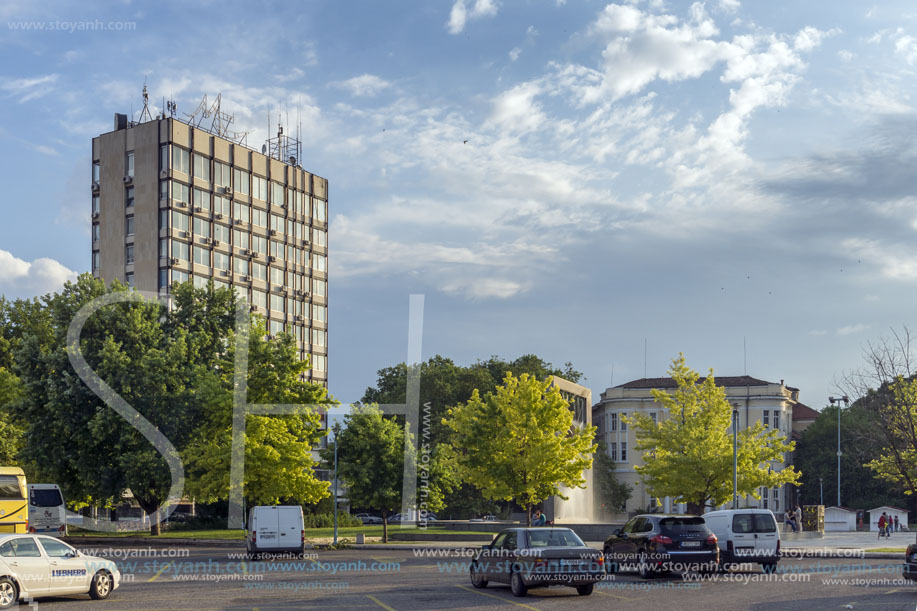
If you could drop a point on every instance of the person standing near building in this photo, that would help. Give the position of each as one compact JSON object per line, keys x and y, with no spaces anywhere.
{"x":897,"y":524}
{"x":798,"y":515}
{"x":882,"y":521}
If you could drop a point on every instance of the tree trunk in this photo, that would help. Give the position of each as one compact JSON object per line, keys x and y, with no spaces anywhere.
{"x":695,"y":508}
{"x":384,"y":526}
{"x":528,"y":515}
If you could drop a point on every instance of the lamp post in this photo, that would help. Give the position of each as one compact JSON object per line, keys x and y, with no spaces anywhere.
{"x":735,"y":457}
{"x":821,"y":491}
{"x":336,"y":431}
{"x":838,"y":400}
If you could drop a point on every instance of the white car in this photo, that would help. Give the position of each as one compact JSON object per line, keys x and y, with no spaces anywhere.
{"x":32,"y":566}
{"x":746,"y":536}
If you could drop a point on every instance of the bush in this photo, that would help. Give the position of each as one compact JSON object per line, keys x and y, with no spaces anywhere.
{"x":326,"y":520}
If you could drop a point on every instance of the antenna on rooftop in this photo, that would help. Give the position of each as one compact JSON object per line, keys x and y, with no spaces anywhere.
{"x":145,"y":113}
{"x":219,"y":120}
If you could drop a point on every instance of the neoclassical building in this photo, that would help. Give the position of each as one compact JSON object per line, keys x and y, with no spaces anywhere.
{"x":774,"y":404}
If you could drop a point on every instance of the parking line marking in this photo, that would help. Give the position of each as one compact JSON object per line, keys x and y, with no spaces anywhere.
{"x":156,"y":576}
{"x":379,"y":602}
{"x":498,"y":598}
{"x":612,"y":595}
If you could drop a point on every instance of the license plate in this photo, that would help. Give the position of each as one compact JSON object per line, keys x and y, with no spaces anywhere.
{"x":268,"y":536}
{"x":690,"y":543}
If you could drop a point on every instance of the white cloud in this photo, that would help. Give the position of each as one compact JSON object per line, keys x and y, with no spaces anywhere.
{"x":516,"y":110}
{"x":851,"y":329}
{"x":460,"y":15}
{"x":27,"y":89}
{"x":365,"y":85}
{"x":19,"y":278}
{"x":729,"y":6}
{"x":514,"y":54}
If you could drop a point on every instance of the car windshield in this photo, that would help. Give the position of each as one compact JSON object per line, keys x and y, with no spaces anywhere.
{"x":554,"y":538}
{"x":675,"y":526}
{"x":47,"y":497}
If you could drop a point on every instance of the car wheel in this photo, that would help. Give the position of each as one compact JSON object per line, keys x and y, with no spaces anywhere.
{"x":9,"y":593}
{"x":643,"y":568}
{"x":477,"y":579}
{"x":101,"y":585}
{"x":585,"y":590}
{"x":515,"y":583}
{"x":769,"y":567}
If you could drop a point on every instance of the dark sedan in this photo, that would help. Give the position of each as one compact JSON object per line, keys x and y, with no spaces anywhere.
{"x":536,"y":557}
{"x":910,"y":562}
{"x":660,"y":543}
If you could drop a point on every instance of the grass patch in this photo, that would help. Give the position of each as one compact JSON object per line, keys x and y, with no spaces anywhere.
{"x":311,"y":533}
{"x":888,"y":550}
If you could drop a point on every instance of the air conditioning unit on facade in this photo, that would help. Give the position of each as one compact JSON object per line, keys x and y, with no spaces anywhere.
{"x":95,"y":187}
{"x":163,"y":173}
{"x":248,"y":252}
{"x":95,"y":214}
{"x":175,"y":260}
{"x":246,"y":278}
{"x":224,"y":190}
{"x":273,"y":232}
{"x":218,"y":216}
{"x":180,"y":204}
{"x":128,"y":180}
{"x":198,"y":209}
{"x":216,"y":242}
{"x":272,"y":258}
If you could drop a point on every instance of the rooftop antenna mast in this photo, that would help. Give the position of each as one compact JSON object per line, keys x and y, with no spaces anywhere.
{"x":145,"y":113}
{"x":219,"y":120}
{"x":282,"y":147}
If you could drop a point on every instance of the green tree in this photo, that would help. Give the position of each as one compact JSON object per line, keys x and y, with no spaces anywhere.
{"x":896,"y":462}
{"x":815,"y":457}
{"x":371,"y":452}
{"x":278,"y":448}
{"x":610,"y":492}
{"x":519,"y":442}
{"x":11,"y":432}
{"x":444,"y":384}
{"x":689,"y":454}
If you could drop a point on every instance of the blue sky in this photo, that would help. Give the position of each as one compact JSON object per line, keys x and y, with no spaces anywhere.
{"x":689,"y":177}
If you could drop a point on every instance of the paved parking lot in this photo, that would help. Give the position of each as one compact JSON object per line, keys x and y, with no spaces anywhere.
{"x":400,"y":580}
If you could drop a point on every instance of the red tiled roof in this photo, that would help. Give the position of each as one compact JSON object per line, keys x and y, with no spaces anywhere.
{"x":804,"y":412}
{"x":727,"y":381}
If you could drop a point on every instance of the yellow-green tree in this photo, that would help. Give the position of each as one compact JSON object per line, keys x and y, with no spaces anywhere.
{"x":897,"y":464}
{"x":519,"y":442}
{"x":688,"y":455}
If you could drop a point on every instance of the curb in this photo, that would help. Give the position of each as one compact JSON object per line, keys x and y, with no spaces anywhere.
{"x":797,"y":552}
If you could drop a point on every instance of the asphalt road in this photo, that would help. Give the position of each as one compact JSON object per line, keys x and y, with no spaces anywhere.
{"x":211,"y":578}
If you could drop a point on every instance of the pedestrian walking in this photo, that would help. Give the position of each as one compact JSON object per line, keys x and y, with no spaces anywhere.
{"x":897,"y":524}
{"x":882,"y":523}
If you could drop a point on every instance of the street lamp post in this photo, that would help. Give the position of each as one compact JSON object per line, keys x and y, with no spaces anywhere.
{"x":838,"y":400}
{"x":336,"y":431}
{"x":735,"y":457}
{"x":821,"y":491}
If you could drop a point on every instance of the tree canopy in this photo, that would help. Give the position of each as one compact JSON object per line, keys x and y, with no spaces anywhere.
{"x":371,"y":452}
{"x":688,"y":455}
{"x":519,"y":442}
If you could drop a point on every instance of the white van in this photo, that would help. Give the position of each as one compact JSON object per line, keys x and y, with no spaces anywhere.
{"x":746,"y":535}
{"x":275,"y":529}
{"x":47,"y":512}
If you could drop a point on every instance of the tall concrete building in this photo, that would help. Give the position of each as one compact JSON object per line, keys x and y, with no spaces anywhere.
{"x":172,"y":202}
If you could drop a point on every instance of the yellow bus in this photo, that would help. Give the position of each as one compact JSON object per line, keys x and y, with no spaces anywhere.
{"x":14,"y":504}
